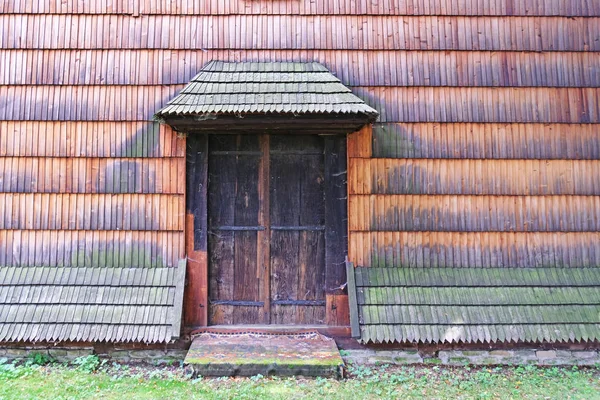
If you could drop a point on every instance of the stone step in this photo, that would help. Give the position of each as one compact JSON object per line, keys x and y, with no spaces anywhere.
{"x":251,"y":353}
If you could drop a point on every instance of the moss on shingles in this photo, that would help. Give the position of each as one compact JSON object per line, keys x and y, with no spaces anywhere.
{"x":136,"y":255}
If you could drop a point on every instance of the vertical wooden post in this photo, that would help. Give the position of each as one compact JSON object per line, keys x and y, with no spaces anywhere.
{"x":196,"y":293}
{"x":352,"y":302}
{"x":336,"y":221}
{"x":263,"y":262}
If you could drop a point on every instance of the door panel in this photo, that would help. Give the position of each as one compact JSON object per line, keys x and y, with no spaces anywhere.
{"x":297,"y":230}
{"x":297,"y":259}
{"x":222,"y":259}
{"x":233,"y":225}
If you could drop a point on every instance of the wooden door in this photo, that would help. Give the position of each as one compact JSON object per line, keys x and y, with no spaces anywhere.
{"x":268,"y":221}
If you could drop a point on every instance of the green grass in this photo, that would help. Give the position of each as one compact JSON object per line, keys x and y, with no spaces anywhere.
{"x":91,"y":380}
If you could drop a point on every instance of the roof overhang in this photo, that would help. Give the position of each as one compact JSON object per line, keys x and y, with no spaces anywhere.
{"x":266,"y":97}
{"x":327,"y":124}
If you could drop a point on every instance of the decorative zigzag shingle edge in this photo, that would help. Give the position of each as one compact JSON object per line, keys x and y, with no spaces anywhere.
{"x":476,"y":305}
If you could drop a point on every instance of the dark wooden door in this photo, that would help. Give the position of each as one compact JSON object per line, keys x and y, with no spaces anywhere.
{"x":268,"y":221}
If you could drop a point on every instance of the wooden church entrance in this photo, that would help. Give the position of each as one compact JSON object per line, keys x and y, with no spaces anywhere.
{"x":271,"y":211}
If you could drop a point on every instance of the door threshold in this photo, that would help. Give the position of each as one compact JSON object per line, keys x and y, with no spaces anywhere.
{"x":327,"y":330}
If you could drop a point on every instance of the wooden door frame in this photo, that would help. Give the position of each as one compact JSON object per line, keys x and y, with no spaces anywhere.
{"x":196,"y":229}
{"x":195,"y":305}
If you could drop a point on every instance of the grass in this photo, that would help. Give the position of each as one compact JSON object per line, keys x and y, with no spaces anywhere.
{"x":92,"y":379}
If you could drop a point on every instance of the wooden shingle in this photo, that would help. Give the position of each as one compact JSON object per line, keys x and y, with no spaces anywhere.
{"x":91,"y":304}
{"x":483,"y":305}
{"x":293,"y":88}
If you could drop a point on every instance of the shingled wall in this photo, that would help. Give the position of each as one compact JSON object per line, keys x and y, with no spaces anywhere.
{"x":486,"y":152}
{"x":92,"y":191}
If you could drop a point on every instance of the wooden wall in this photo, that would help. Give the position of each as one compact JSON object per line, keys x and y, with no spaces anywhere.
{"x":486,"y":152}
{"x":84,"y":192}
{"x":476,"y":195}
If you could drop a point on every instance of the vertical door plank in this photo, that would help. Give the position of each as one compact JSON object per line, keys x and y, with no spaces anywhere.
{"x":263,"y":253}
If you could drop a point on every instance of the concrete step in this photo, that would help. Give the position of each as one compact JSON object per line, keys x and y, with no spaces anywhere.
{"x":249,"y":353}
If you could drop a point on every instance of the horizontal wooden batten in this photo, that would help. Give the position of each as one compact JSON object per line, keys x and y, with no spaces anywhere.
{"x":395,"y":104}
{"x":90,"y":248}
{"x":487,"y":141}
{"x":89,"y":139}
{"x":51,"y":211}
{"x":474,"y":213}
{"x":325,"y":123}
{"x":474,"y":249}
{"x":353,"y":67}
{"x":92,"y":175}
{"x":473,"y":177}
{"x":299,"y":32}
{"x":319,"y":7}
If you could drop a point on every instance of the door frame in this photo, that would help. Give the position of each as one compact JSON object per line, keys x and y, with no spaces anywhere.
{"x":196,"y":229}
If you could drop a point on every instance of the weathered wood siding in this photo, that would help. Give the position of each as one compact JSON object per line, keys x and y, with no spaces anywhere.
{"x":316,"y":7}
{"x":486,"y":152}
{"x":82,"y":192}
{"x":90,"y":193}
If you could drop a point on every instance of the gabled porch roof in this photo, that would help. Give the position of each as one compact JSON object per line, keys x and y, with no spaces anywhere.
{"x":266,"y":96}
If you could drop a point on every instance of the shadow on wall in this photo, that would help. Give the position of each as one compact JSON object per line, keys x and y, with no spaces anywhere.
{"x":91,"y":249}
{"x":126,"y":176}
{"x":120,"y":248}
{"x":481,"y":250}
{"x":394,"y":141}
{"x":486,"y":141}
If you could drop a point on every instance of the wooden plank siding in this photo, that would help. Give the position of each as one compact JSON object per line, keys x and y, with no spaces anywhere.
{"x":475,"y":249}
{"x":474,"y":177}
{"x":91,"y":248}
{"x":70,"y":211}
{"x":93,"y":194}
{"x":343,"y":32}
{"x":89,"y":139}
{"x":491,"y":141}
{"x":486,"y":152}
{"x":395,"y":104}
{"x":352,"y":67}
{"x":479,"y":213}
{"x":317,"y":7}
{"x":477,"y":162}
{"x":520,"y":207}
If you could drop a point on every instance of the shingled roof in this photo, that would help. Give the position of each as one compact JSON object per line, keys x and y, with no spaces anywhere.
{"x":265,"y":87}
{"x":477,"y":305}
{"x":51,"y":304}
{"x":291,"y":94}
